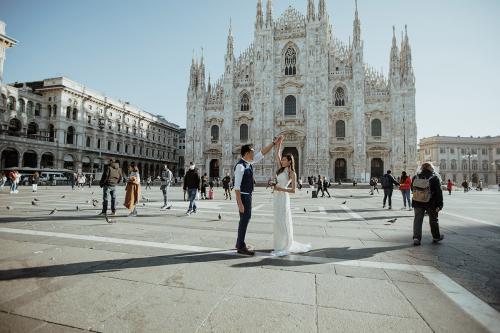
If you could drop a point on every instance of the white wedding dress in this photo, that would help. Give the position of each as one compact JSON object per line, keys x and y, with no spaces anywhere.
{"x":283,"y":226}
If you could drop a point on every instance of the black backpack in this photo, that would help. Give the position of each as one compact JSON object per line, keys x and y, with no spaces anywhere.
{"x":385,"y":181}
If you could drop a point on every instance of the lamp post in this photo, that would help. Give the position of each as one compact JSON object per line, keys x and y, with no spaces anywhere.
{"x":469,"y":155}
{"x":101,"y":123}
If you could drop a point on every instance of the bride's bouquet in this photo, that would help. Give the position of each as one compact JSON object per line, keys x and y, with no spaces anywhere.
{"x":272,"y":183}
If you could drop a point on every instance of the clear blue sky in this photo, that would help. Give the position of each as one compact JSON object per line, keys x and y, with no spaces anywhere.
{"x":141,"y":51}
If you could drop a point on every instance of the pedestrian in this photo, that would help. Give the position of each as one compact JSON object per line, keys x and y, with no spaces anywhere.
{"x":320,"y":186}
{"x":166,"y":177}
{"x":449,"y":186}
{"x":480,"y":185}
{"x":372,"y":185}
{"x":133,"y":189}
{"x":325,"y":187}
{"x":204,"y":185}
{"x":91,"y":179}
{"x":465,"y":186}
{"x":81,"y":181}
{"x":404,"y":187}
{"x":191,"y":186}
{"x":72,"y":179}
{"x":35,"y":178}
{"x":354,"y":182}
{"x":243,"y":187}
{"x":13,"y":183}
{"x":427,"y":198}
{"x":387,"y":182}
{"x":3,"y":181}
{"x":211,"y":189}
{"x":225,"y":185}
{"x":300,"y":184}
{"x":109,"y":179}
{"x":148,"y":182}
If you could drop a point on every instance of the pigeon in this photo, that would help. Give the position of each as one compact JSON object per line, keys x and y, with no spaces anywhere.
{"x":36,"y":199}
{"x":9,"y":207}
{"x":34,"y":203}
{"x":305,"y":210}
{"x":220,"y":217}
{"x":77,"y":208}
{"x":94,"y":203}
{"x":87,"y":202}
{"x":62,"y":197}
{"x":92,"y":193}
{"x":144,"y":204}
{"x":344,"y":202}
{"x":351,"y":195}
{"x":392,"y":221}
{"x":53,"y":211}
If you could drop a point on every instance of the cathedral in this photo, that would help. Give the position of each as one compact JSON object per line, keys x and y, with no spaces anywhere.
{"x":340,"y":117}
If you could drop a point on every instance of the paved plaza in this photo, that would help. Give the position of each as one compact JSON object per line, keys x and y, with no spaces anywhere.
{"x":166,"y":272}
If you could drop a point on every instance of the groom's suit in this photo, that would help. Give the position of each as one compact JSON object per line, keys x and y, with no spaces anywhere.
{"x":244,"y":182}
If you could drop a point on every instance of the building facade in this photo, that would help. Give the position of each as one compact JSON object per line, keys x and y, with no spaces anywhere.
{"x":339,"y":116}
{"x":459,"y":158}
{"x":61,"y":124}
{"x":181,"y":151}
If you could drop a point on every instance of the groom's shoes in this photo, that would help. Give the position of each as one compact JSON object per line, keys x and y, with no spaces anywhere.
{"x":246,"y":251}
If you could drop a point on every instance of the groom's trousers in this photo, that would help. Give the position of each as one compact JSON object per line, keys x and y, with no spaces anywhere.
{"x":246,"y":200}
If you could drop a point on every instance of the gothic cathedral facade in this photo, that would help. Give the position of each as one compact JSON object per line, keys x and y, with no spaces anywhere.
{"x":340,"y":117}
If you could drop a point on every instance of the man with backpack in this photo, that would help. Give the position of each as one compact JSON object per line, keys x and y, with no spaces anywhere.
{"x":110,"y":178}
{"x":387,"y":181}
{"x":427,"y":197}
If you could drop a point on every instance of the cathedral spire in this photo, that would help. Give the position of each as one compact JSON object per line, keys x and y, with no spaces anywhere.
{"x":230,"y":48}
{"x":357,"y":28}
{"x":321,"y":9}
{"x":406,"y":66}
{"x":259,"y":20}
{"x":394,"y":64}
{"x":311,"y":16}
{"x":202,"y":71}
{"x":269,"y":14}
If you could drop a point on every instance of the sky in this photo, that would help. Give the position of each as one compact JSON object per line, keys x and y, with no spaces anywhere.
{"x":141,"y":51}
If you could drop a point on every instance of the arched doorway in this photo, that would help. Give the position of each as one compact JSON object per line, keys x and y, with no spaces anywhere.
{"x":475,"y":178}
{"x":47,"y":160}
{"x":152,"y":170}
{"x":68,"y":162}
{"x":214,"y":169}
{"x":30,"y":159}
{"x":340,"y":169}
{"x":10,"y":158}
{"x":377,"y":168}
{"x":125,"y":168}
{"x":295,"y":153}
{"x":86,"y":165}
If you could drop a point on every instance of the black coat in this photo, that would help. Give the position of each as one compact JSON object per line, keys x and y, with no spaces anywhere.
{"x":436,"y":200}
{"x":192,"y":179}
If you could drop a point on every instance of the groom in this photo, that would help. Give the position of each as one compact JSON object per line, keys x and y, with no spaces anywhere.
{"x":243,"y":187}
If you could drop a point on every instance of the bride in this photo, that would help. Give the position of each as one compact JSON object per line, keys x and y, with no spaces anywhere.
{"x":283,"y":227}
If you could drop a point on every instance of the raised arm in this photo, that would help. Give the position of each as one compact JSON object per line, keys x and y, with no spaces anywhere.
{"x":277,"y":153}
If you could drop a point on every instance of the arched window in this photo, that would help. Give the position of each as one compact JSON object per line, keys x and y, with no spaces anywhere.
{"x":54,"y":110}
{"x":442,"y":165}
{"x":340,"y":97}
{"x":290,"y":61}
{"x":49,"y":109}
{"x":52,"y":132}
{"x":11,"y":104}
{"x":87,"y":144}
{"x":68,"y":112}
{"x":32,"y":128}
{"x":245,"y":102}
{"x":29,"y":108}
{"x":376,"y":127}
{"x":22,"y":105}
{"x":15,"y":125}
{"x":474,"y":165}
{"x":243,"y":132}
{"x":453,"y":165}
{"x":485,"y":165}
{"x":464,"y":165}
{"x":75,"y":114}
{"x":340,"y":129}
{"x":70,"y":135}
{"x":214,"y":132}
{"x":290,"y":106}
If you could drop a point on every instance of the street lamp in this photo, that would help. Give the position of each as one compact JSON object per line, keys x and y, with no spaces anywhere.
{"x":469,"y":155}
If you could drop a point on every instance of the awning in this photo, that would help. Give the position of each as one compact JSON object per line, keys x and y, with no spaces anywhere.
{"x":68,"y":158}
{"x":85,"y":160}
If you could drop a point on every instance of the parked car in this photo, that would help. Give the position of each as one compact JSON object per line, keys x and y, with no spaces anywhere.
{"x":57,"y":176}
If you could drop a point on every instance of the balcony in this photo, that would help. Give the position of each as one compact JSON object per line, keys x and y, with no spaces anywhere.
{"x":35,"y":137}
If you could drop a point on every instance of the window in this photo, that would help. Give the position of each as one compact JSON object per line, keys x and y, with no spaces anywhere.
{"x":118,"y":147}
{"x":133,"y":150}
{"x":109,"y":145}
{"x":340,"y":129}
{"x":126,"y":149}
{"x":452,"y":150}
{"x":245,"y":102}
{"x":49,"y":109}
{"x":22,"y":105}
{"x":70,"y":135}
{"x":376,"y":127}
{"x":11,"y":104}
{"x":29,"y":108}
{"x":68,"y":112}
{"x":243,"y":132}
{"x":214,"y":132}
{"x":290,"y":106}
{"x":464,"y":165}
{"x":54,"y":110}
{"x":484,"y":151}
{"x":498,"y":151}
{"x":98,"y":143}
{"x":474,"y":151}
{"x":339,"y":97}
{"x":453,"y":164}
{"x":485,"y":165}
{"x":89,"y":119}
{"x":462,"y":151}
{"x":290,"y":61}
{"x":442,"y":150}
{"x":442,"y":165}
{"x":88,"y":142}
{"x":474,"y":165}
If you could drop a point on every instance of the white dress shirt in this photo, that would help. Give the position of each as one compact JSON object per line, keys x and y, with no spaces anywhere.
{"x":240,"y":170}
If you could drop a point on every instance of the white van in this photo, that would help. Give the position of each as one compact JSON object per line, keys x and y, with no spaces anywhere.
{"x":57,"y":176}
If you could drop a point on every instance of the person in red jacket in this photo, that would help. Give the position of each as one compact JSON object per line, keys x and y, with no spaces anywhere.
{"x":449,"y":186}
{"x":404,"y":186}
